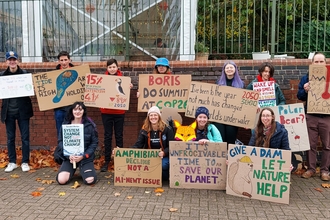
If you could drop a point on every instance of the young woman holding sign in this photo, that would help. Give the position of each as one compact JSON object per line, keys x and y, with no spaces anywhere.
{"x":205,"y":132}
{"x":266,"y":72}
{"x":269,"y":133}
{"x":77,"y":115}
{"x":162,"y":66}
{"x":155,"y":134}
{"x":229,"y":77}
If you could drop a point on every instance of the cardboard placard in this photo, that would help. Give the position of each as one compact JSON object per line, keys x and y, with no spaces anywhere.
{"x":196,"y":166}
{"x":259,"y":173}
{"x":60,"y":87}
{"x":163,"y":90}
{"x":13,"y":86}
{"x":319,"y":93}
{"x":267,"y":96}
{"x":293,"y":118}
{"x":73,"y":139}
{"x":137,"y":167}
{"x":226,"y":104}
{"x":107,"y":91}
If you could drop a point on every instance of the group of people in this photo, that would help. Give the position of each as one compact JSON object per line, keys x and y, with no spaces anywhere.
{"x":155,"y":133}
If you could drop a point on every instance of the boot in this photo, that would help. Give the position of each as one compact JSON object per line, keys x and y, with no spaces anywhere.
{"x":104,"y":168}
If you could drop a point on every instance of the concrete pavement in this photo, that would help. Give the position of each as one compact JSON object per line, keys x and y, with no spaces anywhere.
{"x":99,"y":201}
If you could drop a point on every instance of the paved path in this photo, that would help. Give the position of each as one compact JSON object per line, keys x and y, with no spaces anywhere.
{"x":100,"y":202}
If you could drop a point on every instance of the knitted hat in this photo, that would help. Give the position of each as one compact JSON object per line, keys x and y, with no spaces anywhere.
{"x":202,"y":110}
{"x":154,"y":109}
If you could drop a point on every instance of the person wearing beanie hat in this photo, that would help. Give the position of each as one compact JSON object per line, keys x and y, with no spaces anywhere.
{"x":155,"y":134}
{"x":154,"y":109}
{"x":205,"y":132}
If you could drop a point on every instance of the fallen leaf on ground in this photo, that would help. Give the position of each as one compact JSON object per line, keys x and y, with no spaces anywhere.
{"x":47,"y":176}
{"x":109,"y":182}
{"x":3,"y":178}
{"x":48,"y":182}
{"x":38,"y":179}
{"x":158,"y":194}
{"x":159,"y":190}
{"x":3,"y":165}
{"x":35,"y":194}
{"x":32,"y":171}
{"x":61,"y":194}
{"x":318,"y":189}
{"x":107,"y":177}
{"x":117,"y":194}
{"x":40,"y":189}
{"x":75,"y":185}
{"x":14,"y":176}
{"x":173,"y":209}
{"x":129,"y":197}
{"x":325,"y":185}
{"x":147,"y":192}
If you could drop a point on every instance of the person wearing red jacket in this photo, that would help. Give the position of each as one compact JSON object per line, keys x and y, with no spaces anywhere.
{"x":112,"y":119}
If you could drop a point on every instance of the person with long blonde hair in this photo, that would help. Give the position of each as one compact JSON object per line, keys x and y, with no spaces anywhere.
{"x":155,"y":134}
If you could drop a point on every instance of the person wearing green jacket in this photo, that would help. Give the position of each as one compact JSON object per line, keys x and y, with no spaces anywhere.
{"x":266,"y":72}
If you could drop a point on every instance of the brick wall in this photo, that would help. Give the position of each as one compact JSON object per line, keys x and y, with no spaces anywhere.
{"x":43,"y":131}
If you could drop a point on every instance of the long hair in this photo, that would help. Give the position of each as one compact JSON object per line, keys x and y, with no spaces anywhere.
{"x":147,"y":125}
{"x":261,"y":139}
{"x":237,"y":82}
{"x":205,"y":128}
{"x":69,"y":115}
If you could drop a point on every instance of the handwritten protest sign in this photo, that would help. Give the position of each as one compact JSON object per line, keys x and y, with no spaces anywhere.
{"x":267,"y":96}
{"x":163,"y":90}
{"x":319,"y":94}
{"x":107,"y":91}
{"x":60,"y":87}
{"x":73,"y":139}
{"x":226,"y":104}
{"x":13,"y":86}
{"x":293,"y":118}
{"x":196,"y":166}
{"x":137,"y":167}
{"x":259,"y":173}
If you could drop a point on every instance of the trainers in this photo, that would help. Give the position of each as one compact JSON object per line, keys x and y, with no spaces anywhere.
{"x":25,"y":167}
{"x":308,"y":174}
{"x":11,"y":167}
{"x":325,"y":177}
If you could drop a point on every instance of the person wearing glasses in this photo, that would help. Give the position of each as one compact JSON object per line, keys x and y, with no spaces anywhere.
{"x":269,"y":133}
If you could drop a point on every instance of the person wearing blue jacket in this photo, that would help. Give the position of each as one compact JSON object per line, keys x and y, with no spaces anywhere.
{"x":77,"y":115}
{"x":269,"y":133}
{"x":205,"y":132}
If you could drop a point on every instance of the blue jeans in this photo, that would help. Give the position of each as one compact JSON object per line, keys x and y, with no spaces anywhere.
{"x":24,"y":127}
{"x":165,"y":168}
{"x":59,"y":118}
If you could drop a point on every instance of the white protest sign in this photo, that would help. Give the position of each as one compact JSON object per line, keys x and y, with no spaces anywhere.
{"x":13,"y":86}
{"x":73,"y":139}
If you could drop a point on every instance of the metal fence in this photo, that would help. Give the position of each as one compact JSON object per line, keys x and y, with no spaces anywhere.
{"x":129,"y":29}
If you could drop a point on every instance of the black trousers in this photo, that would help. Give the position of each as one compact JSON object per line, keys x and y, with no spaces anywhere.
{"x":112,"y":122}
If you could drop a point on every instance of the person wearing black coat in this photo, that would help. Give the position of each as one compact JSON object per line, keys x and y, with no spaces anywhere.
{"x":155,"y":134}
{"x":77,"y":115}
{"x":16,"y":109}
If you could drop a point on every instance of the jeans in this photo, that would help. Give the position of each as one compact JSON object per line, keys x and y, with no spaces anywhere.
{"x":24,"y":127}
{"x":59,"y":118}
{"x":110,"y":122}
{"x":165,"y":168}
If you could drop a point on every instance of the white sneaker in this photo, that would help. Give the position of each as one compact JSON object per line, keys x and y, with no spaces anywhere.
{"x":11,"y":167}
{"x":25,"y":167}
